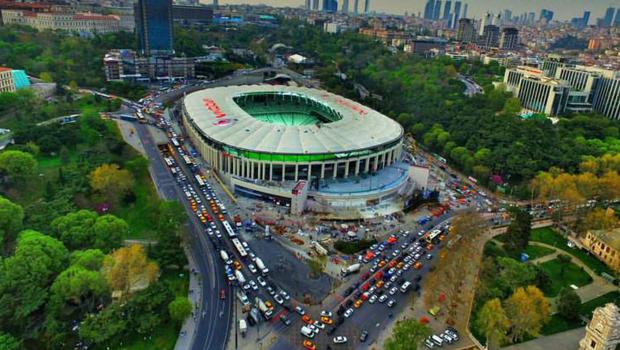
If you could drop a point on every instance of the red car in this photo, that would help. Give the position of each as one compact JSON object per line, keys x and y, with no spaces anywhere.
{"x":222,"y":294}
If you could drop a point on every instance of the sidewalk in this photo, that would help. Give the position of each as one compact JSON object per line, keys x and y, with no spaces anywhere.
{"x":188,"y":331}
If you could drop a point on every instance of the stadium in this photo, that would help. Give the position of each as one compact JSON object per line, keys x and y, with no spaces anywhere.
{"x":263,"y":140}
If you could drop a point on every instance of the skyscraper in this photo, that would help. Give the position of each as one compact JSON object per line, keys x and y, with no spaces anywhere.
{"x":617,"y":20}
{"x":609,"y":17}
{"x":446,"y":10}
{"x":367,"y":6}
{"x":586,"y":18}
{"x":507,"y":16}
{"x":437,"y":9}
{"x":509,"y":39}
{"x":546,"y":15}
{"x":490,"y":36}
{"x":428,"y":9}
{"x":315,"y":5}
{"x":457,"y":13}
{"x":357,"y":6}
{"x":464,"y":11}
{"x":345,"y":6}
{"x":466,"y":32}
{"x":486,"y":19}
{"x":154,"y":27}
{"x":330,"y":6}
{"x":308,"y":5}
{"x":216,"y":3}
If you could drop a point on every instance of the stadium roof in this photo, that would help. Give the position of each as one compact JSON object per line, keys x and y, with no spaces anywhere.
{"x":221,"y":119}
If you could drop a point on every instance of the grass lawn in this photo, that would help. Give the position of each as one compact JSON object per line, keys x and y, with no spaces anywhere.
{"x":549,"y":236}
{"x":138,"y":213}
{"x":536,"y":252}
{"x":572,"y":275}
{"x":558,"y":324}
{"x":166,"y":334}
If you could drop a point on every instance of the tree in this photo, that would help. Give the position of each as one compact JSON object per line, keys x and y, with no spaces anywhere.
{"x":11,"y":219}
{"x":180,"y":308}
{"x":78,"y":288}
{"x":518,"y":234}
{"x":407,"y":335}
{"x":170,"y":215}
{"x":108,"y":232}
{"x":512,"y":106}
{"x":514,"y":274}
{"x":128,"y":269}
{"x":90,"y":259}
{"x":85,"y":229}
{"x":8,"y":342}
{"x":528,"y":310}
{"x":104,"y":326}
{"x":17,"y":164}
{"x":111,"y":182}
{"x":564,"y":260}
{"x":493,"y":322}
{"x":600,"y":219}
{"x":568,"y":304}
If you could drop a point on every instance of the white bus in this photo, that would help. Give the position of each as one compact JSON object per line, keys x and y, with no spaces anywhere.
{"x":201,"y":182}
{"x":431,"y":236}
{"x":168,"y":161}
{"x":229,"y":229}
{"x":175,"y":142}
{"x":239,"y":247}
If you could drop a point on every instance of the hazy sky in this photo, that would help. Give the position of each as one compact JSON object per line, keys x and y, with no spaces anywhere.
{"x":564,"y":9}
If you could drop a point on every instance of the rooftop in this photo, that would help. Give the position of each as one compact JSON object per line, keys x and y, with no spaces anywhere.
{"x":609,"y":237}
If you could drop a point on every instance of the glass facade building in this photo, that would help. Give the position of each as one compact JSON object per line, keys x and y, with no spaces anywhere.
{"x":154,"y":27}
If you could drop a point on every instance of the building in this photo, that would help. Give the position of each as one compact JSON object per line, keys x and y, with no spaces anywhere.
{"x":457,"y":14}
{"x":583,"y":82}
{"x":154,"y":27}
{"x":486,"y":19}
{"x":74,"y":22}
{"x":126,"y":65}
{"x":437,"y":10}
{"x":537,"y":93}
{"x":466,"y":32}
{"x":465,"y":11}
{"x":428,"y":9}
{"x":617,"y":20}
{"x":603,"y":331}
{"x":424,"y":45}
{"x":191,"y":14}
{"x":345,"y":6}
{"x":586,"y":18}
{"x":308,"y":5}
{"x":315,"y":5}
{"x":490,"y":36}
{"x":607,"y":20}
{"x":330,"y":6}
{"x":446,"y":10}
{"x":384,"y":35}
{"x":366,"y":6}
{"x":606,"y":98}
{"x":546,"y":15}
{"x":550,"y":65}
{"x":263,"y":139}
{"x":7,"y":84}
{"x":605,"y":246}
{"x":356,"y":6}
{"x":509,"y":39}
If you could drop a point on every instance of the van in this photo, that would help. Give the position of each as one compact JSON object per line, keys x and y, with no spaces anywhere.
{"x":437,"y":340}
{"x":307,"y":332}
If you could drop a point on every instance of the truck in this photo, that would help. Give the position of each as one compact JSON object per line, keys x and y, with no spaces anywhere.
{"x":350,"y":269}
{"x":237,"y":220}
{"x":243,"y":327}
{"x":267,"y":312}
{"x":319,"y":248}
{"x":225,"y":257}
{"x":240,"y":277}
{"x":261,"y":266}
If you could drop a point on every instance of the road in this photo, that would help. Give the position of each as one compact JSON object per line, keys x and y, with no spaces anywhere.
{"x":471,"y":88}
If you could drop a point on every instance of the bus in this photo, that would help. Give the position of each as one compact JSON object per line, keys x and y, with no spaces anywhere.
{"x":431,"y":236}
{"x":168,"y":161}
{"x":229,"y":229}
{"x":187,"y":160}
{"x":141,"y":117}
{"x":239,"y":247}
{"x":201,"y":182}
{"x":175,"y":142}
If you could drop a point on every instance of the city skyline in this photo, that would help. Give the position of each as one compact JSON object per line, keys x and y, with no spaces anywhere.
{"x":476,"y":7}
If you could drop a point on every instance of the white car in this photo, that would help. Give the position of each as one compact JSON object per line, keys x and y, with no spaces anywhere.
{"x":319,"y":324}
{"x":253,"y":285}
{"x":261,"y":281}
{"x":372,"y":299}
{"x":383,"y":298}
{"x":348,"y":313}
{"x":393,"y":290}
{"x":391,"y":303}
{"x":340,"y":339}
{"x":252,"y":268}
{"x":285,"y":295}
{"x":278,"y":299}
{"x":326,"y":313}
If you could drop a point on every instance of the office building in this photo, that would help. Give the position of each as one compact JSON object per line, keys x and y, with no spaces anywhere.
{"x":192,"y":14}
{"x":457,"y":14}
{"x":437,"y":9}
{"x":154,"y":27}
{"x":465,"y":32}
{"x":605,"y":246}
{"x":607,"y":97}
{"x":68,"y":21}
{"x":603,"y":331}
{"x":366,"y":6}
{"x":536,"y":92}
{"x":308,"y":5}
{"x":465,"y":11}
{"x":486,"y":19}
{"x":446,"y":10}
{"x":546,"y":15}
{"x":216,"y":3}
{"x":425,"y":45}
{"x":607,"y":20}
{"x":509,"y":39}
{"x":531,"y":18}
{"x":586,"y":18}
{"x":330,"y":6}
{"x":617,"y":20}
{"x":507,"y":17}
{"x":356,"y":7}
{"x":551,"y":65}
{"x":345,"y":6}
{"x":315,"y":5}
{"x":428,"y":9}
{"x":490,"y":36}
{"x":583,"y":82}
{"x":126,"y":65}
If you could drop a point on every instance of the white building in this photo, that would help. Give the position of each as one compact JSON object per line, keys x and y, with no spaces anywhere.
{"x":75,"y":22}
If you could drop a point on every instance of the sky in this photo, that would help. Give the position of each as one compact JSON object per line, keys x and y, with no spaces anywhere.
{"x":563,"y":9}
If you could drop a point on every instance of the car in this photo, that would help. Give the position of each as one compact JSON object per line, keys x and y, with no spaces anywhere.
{"x":417,"y":265}
{"x":285,"y":320}
{"x":313,"y":328}
{"x":348,"y":313}
{"x":307,"y":332}
{"x":340,"y":339}
{"x":253,"y":285}
{"x":358,"y":303}
{"x":218,"y":234}
{"x":278,"y":299}
{"x":300,"y":310}
{"x":383,"y":298}
{"x":284,"y":295}
{"x":379,"y":284}
{"x":429,"y":256}
{"x":306,"y":319}
{"x":394,"y":278}
{"x":393,"y":291}
{"x":319,"y":324}
{"x":391,"y":303}
{"x":363,"y":336}
{"x":269,"y":304}
{"x":372,"y":299}
{"x":252,"y":256}
{"x":270,"y":290}
{"x":326,"y":313}
{"x":429,"y":344}
{"x":252,"y":268}
{"x":327,"y":320}
{"x":261,"y":281}
{"x":247,"y":286}
{"x":372,"y":289}
{"x":395,"y":253}
{"x":309,"y":345}
{"x":222,"y":294}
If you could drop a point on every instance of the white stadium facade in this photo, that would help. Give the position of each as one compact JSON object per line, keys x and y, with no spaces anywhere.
{"x":266,"y":141}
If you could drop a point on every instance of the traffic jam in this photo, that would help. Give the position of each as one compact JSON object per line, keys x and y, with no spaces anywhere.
{"x":394,"y":270}
{"x":259,"y":296}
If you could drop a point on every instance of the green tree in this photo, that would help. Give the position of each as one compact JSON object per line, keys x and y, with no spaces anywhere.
{"x":180,"y":308}
{"x":85,"y":229}
{"x":8,"y":342}
{"x":407,"y":335}
{"x":90,"y":259}
{"x":105,"y":326}
{"x":518,"y":234}
{"x":512,"y":106}
{"x":11,"y":219}
{"x":108,"y":232}
{"x":79,"y":290}
{"x":17,"y":164}
{"x":568,"y":304}
{"x":564,"y":260}
{"x":492,"y":321}
{"x":514,"y":274}
{"x":170,"y":215}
